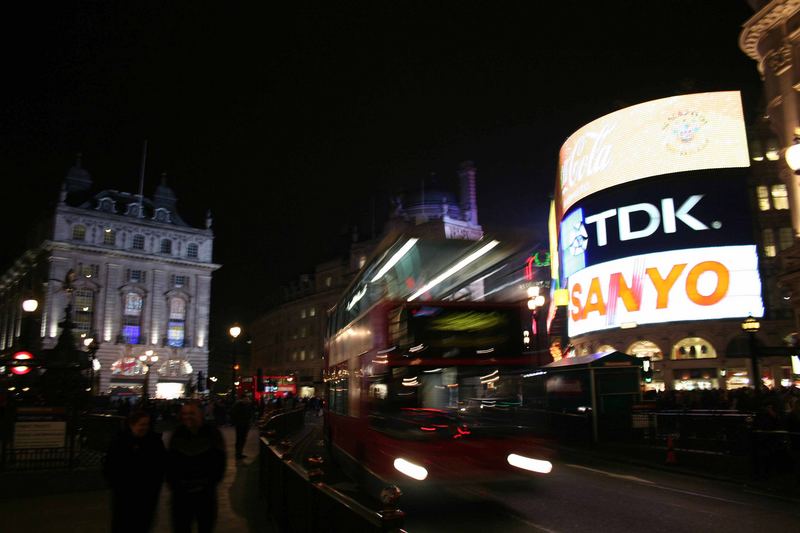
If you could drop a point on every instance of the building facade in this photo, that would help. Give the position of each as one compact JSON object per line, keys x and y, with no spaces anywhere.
{"x":137,"y":278}
{"x":290,"y":339}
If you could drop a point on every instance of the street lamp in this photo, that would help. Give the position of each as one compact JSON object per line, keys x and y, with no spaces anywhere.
{"x":792,"y":153}
{"x":91,"y":344}
{"x":535,"y":301}
{"x":234,"y":332}
{"x":149,"y":358}
{"x":751,"y":326}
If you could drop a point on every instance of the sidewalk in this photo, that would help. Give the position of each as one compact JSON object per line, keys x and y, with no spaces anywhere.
{"x":90,"y":511}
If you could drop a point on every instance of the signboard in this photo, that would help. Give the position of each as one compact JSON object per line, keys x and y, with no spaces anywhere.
{"x":40,"y":427}
{"x":692,"y":284}
{"x":675,"y":134}
{"x":687,"y":210}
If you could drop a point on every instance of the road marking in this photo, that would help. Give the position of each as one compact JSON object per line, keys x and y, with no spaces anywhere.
{"x":656,"y":485}
{"x":611,"y":474}
{"x":531,"y":524}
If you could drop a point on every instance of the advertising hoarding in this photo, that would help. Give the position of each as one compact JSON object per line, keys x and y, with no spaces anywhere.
{"x":675,"y":134}
{"x":692,"y":284}
{"x":687,"y":210}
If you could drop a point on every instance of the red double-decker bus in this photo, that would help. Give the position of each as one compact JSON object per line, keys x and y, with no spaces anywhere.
{"x":272,"y":387}
{"x":422,"y":387}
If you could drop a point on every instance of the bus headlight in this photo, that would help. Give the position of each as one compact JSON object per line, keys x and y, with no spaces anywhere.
{"x":410,"y":469}
{"x":532,"y":465}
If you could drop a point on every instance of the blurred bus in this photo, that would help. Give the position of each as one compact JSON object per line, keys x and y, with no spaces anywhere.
{"x":424,"y":379}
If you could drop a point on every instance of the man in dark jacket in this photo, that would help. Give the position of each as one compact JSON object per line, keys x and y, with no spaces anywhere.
{"x":195,"y":466}
{"x":134,"y":469}
{"x":242,"y":417}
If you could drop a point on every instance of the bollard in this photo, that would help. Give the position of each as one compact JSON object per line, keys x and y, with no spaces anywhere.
{"x":391,"y":516}
{"x":671,"y":458}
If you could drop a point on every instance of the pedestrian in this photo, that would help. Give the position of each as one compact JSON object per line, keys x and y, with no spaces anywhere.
{"x":134,"y":470}
{"x":195,"y":466}
{"x":242,"y":418}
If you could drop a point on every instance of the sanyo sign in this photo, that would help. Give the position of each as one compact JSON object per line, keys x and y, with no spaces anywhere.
{"x":675,"y":134}
{"x":692,"y":284}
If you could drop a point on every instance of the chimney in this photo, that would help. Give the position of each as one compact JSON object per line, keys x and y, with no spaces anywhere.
{"x":469,"y":198}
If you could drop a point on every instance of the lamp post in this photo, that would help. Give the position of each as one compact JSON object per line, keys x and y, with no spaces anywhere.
{"x":234,"y":332}
{"x":535,"y":301}
{"x":751,"y":326}
{"x":149,"y":358}
{"x":92,"y":346}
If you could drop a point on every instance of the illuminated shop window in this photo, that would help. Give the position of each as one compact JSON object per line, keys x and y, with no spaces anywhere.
{"x":128,"y":366}
{"x":79,"y":232}
{"x":769,"y":242}
{"x":646,"y":348}
{"x":132,"y":318}
{"x":176,"y":329}
{"x":138,"y":242}
{"x":696,"y":379}
{"x":763,"y":197}
{"x":780,"y":197}
{"x":785,"y":238}
{"x":693,"y":348}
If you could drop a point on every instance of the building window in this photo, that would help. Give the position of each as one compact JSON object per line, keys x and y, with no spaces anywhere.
{"x":780,"y":197}
{"x":303,"y":332}
{"x":132,"y":318}
{"x":138,"y":242}
{"x":162,"y":215}
{"x":83,"y":314}
{"x":312,"y":312}
{"x":166,"y":246}
{"x":328,"y":281}
{"x":109,"y":237}
{"x":176,"y":329}
{"x":180,"y":281}
{"x":302,"y":355}
{"x":137,"y":276}
{"x":769,"y":243}
{"x":693,"y":348}
{"x":763,"y":197}
{"x":785,"y":238}
{"x":88,"y":271}
{"x":302,"y":313}
{"x":191,"y":251}
{"x":646,"y":348}
{"x":107,"y":205}
{"x":79,"y":232}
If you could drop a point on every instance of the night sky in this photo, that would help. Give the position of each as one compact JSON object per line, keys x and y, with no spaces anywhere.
{"x":291,"y":124}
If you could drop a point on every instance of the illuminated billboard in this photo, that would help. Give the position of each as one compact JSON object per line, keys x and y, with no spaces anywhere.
{"x":675,"y":134}
{"x":693,"y":284}
{"x":687,"y":210}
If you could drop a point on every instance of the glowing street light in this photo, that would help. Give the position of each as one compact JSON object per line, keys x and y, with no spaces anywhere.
{"x":30,"y":305}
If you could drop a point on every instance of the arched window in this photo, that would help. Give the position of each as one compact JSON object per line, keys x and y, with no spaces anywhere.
{"x":176,"y":329}
{"x":138,"y":242}
{"x":693,"y":348}
{"x":79,"y":232}
{"x":166,"y":246}
{"x":162,"y":215}
{"x":646,"y":349}
{"x":191,"y":251}
{"x":606,"y":348}
{"x":83,"y":314}
{"x":132,"y":318}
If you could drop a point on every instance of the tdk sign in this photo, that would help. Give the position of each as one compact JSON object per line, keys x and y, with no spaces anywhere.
{"x":666,"y":217}
{"x":595,"y":232}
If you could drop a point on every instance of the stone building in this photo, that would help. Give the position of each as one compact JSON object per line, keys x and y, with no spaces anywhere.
{"x":140,"y":280}
{"x":289,"y":339}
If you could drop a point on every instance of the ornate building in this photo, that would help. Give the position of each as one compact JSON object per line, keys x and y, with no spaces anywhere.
{"x":140,"y":280}
{"x":289,"y":339}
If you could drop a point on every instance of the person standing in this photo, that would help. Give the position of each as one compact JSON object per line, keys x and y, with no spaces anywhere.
{"x":134,"y":470}
{"x":242,"y":418}
{"x":195,"y":466}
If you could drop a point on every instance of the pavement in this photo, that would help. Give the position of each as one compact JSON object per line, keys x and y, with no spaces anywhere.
{"x":54,"y":502}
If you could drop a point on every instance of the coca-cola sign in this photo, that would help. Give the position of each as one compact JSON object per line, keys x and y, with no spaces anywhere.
{"x":675,"y":134}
